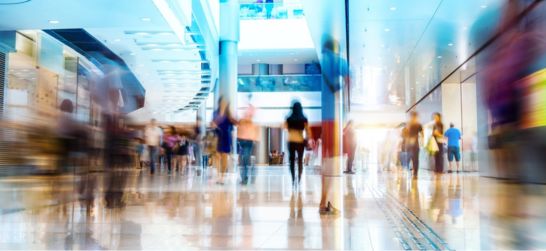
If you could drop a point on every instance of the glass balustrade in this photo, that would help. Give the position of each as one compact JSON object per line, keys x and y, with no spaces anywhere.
{"x":280,"y":83}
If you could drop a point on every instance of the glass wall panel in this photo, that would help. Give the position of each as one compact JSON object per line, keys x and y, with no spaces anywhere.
{"x":469,"y":122}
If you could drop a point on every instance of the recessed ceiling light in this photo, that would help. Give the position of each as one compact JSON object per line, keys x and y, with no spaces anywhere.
{"x":117,"y":40}
{"x":450,"y":44}
{"x":393,"y":8}
{"x":439,"y":57}
{"x":387,"y":29}
{"x":132,"y":53}
{"x":54,"y":21}
{"x":258,"y":60}
{"x":483,"y":6}
{"x":145,"y":19}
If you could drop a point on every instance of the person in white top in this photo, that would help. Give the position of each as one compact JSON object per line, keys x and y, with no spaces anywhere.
{"x":152,"y":137}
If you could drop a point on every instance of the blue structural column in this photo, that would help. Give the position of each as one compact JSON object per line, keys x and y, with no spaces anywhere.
{"x":229,"y":39}
{"x":228,"y":61}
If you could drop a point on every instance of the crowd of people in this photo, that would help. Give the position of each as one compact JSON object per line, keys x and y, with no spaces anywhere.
{"x":413,"y":140}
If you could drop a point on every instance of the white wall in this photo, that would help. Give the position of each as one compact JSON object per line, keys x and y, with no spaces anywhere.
{"x":293,"y":69}
{"x":245,"y":69}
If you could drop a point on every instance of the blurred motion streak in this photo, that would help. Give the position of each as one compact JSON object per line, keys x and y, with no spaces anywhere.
{"x":515,"y":84}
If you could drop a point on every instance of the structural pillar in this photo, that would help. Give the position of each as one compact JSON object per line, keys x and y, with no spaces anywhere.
{"x":229,"y":40}
{"x":228,"y":70}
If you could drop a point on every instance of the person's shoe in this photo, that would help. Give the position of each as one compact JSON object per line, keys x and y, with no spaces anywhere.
{"x":323,"y":210}
{"x":328,"y":210}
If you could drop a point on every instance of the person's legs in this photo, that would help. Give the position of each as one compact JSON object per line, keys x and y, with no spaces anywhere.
{"x":350,"y":160}
{"x":292,"y":159}
{"x":415,"y":160}
{"x":439,"y":159}
{"x":223,"y":166}
{"x":205,"y":161}
{"x":184,"y":164}
{"x":151,"y":151}
{"x":299,"y":149}
{"x":247,"y":158}
{"x":169,"y":158}
{"x":244,"y":166}
{"x":457,"y":155}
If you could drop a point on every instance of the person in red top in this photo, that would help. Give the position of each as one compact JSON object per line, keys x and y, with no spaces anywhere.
{"x":349,"y":146}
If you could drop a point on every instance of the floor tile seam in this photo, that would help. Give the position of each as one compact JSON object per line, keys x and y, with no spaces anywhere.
{"x":271,"y":236}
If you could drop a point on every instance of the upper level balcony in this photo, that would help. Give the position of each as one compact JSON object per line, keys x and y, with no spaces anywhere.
{"x":260,"y":10}
{"x":280,"y":83}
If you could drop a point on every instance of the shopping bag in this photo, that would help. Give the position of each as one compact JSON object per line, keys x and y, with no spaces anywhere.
{"x":432,"y":146}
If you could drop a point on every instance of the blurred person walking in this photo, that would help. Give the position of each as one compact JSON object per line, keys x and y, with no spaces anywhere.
{"x":247,"y":134}
{"x":414,"y":141}
{"x":169,"y":142}
{"x":198,"y":136}
{"x":349,"y":146}
{"x":182,"y":151}
{"x":296,"y":124}
{"x":403,"y":150}
{"x":152,"y":137}
{"x":72,"y":135}
{"x":453,"y":136}
{"x":210,"y":142}
{"x":269,"y":5}
{"x":223,"y":122}
{"x":438,"y":134}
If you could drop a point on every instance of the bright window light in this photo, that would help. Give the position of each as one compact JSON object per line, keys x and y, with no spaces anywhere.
{"x":275,"y":34}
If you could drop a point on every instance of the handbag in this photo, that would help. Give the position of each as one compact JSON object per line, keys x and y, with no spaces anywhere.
{"x":432,"y":146}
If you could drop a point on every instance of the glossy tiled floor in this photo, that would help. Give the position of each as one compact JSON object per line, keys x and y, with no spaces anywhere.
{"x":130,"y":209}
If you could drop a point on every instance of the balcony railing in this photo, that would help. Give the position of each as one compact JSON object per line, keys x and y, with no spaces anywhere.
{"x":280,"y":83}
{"x":257,"y":11}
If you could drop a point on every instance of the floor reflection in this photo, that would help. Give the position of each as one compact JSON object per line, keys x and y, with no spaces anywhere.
{"x":128,"y":209}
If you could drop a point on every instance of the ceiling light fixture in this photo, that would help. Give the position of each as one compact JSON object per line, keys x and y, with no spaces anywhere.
{"x":387,"y":29}
{"x":393,"y":8}
{"x":145,"y":19}
{"x":483,"y":6}
{"x":439,"y":57}
{"x":450,"y":44}
{"x":176,"y":26}
{"x":54,"y":21}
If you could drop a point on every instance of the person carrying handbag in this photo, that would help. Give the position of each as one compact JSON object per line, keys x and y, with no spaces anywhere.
{"x":438,"y":136}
